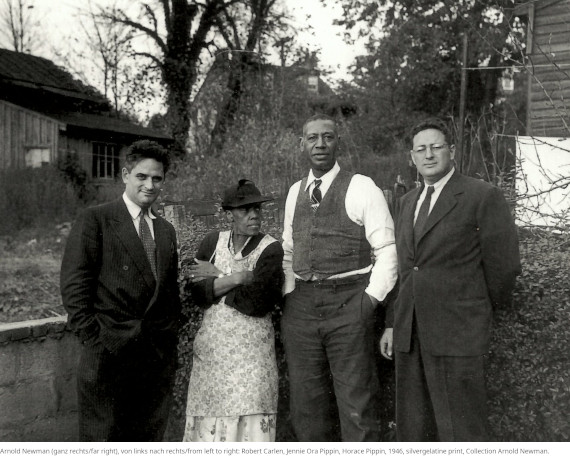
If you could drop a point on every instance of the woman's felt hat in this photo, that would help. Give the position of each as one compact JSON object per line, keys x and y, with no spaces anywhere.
{"x":244,"y":194}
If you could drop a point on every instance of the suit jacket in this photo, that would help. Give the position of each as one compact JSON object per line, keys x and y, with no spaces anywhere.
{"x":107,"y":285}
{"x":463,"y":264}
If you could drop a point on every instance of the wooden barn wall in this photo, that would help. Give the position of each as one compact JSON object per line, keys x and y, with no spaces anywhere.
{"x":21,"y":129}
{"x":549,"y":98}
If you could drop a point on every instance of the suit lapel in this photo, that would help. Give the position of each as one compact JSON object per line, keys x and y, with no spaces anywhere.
{"x":123,"y":225}
{"x":407,"y":220}
{"x":445,"y":202}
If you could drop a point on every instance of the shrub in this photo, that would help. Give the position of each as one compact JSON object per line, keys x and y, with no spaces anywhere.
{"x":528,"y":366}
{"x":35,"y":197}
{"x":529,"y":370}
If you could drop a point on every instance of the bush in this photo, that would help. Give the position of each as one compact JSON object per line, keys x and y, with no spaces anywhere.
{"x":529,"y":365}
{"x":34,"y":198}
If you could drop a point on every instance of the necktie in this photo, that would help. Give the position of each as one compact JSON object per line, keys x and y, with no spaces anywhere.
{"x":316,"y":196}
{"x":148,"y":242}
{"x":423,"y":214}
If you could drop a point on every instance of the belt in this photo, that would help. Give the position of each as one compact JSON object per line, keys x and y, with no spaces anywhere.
{"x":334,"y":282}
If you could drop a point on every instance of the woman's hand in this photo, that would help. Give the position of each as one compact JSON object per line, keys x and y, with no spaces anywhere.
{"x":202,"y":270}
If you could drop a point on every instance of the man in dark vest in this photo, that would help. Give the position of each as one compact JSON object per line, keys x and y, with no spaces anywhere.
{"x":333,"y":220}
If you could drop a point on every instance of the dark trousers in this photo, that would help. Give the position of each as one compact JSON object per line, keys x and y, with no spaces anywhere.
{"x":124,"y":396}
{"x":439,"y":398}
{"x":329,"y":330}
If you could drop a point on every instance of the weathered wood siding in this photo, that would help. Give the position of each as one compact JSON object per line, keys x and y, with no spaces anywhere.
{"x":549,"y":89}
{"x":21,"y":129}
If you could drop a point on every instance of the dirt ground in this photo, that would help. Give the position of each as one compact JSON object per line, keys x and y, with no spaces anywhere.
{"x":29,"y":274}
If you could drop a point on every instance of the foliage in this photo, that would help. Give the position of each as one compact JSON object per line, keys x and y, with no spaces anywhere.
{"x":529,"y":366}
{"x":412,"y":68}
{"x":35,"y":197}
{"x":75,"y":175}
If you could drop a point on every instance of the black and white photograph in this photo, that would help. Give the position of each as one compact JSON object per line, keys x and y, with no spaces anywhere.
{"x":321,"y":227}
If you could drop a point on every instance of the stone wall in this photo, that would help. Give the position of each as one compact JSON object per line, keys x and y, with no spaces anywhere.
{"x":38,"y":361}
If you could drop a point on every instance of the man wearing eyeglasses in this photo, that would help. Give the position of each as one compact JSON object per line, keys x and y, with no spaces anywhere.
{"x":458,"y":258}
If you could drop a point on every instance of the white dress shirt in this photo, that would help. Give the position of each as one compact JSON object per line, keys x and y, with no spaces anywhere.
{"x":135,"y":212}
{"x":437,"y":187}
{"x":366,"y":206}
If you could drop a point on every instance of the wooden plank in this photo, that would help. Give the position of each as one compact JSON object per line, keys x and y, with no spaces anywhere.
{"x":560,"y":85}
{"x":550,"y":123}
{"x":561,"y":25}
{"x":549,"y":48}
{"x":554,"y":95}
{"x":550,"y":39}
{"x":3,"y":134}
{"x":551,"y":73}
{"x":550,"y":114}
{"x":541,"y":58}
{"x":543,"y":9}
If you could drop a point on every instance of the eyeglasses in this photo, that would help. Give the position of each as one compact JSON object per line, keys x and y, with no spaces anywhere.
{"x":434,"y":148}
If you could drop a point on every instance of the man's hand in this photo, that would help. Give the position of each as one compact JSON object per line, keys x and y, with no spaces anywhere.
{"x":386,"y":343}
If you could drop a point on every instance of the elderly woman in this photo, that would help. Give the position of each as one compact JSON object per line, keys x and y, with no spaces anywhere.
{"x":232,"y":395}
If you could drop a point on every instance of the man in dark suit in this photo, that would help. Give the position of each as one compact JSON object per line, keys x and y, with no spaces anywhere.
{"x":119,"y":287}
{"x":458,"y":258}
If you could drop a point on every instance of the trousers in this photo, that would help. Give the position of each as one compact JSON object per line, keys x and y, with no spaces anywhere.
{"x":439,"y":398}
{"x":124,"y":396}
{"x":328,"y":335}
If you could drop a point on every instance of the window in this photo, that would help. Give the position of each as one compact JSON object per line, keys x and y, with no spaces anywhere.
{"x":37,"y":157}
{"x":313,"y":84}
{"x":105,"y":160}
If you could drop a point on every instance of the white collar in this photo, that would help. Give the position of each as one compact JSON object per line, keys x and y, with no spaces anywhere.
{"x":134,"y":209}
{"x":326,"y":178}
{"x":442,"y":181}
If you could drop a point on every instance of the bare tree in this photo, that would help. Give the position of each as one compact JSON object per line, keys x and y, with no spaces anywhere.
{"x":19,"y":25}
{"x":261,"y":19}
{"x":180,"y":32}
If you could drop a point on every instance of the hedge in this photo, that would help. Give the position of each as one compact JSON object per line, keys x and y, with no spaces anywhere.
{"x":528,"y":367}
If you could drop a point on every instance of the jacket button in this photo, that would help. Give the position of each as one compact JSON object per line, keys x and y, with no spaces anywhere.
{"x":126,"y":268}
{"x":416,"y":268}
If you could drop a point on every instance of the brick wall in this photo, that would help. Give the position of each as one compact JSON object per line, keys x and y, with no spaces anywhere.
{"x":38,"y":401}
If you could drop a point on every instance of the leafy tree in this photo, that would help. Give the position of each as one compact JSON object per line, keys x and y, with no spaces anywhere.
{"x":414,"y":60}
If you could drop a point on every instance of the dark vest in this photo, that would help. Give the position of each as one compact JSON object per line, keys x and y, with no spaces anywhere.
{"x":327,"y":242}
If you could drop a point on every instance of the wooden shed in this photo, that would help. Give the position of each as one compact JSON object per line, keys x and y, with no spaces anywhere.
{"x":548,"y":59}
{"x":46,"y":114}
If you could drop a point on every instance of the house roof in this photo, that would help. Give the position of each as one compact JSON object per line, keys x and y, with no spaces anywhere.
{"x":25,"y":70}
{"x":106,"y":123}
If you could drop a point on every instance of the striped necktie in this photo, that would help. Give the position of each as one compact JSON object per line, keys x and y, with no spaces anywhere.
{"x":148,"y":242}
{"x":316,"y":195}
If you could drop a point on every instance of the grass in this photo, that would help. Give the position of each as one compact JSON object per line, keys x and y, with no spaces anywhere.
{"x":29,"y":275}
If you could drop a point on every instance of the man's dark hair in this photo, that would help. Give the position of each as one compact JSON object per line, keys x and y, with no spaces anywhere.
{"x":146,"y":149}
{"x":431,"y":123}
{"x":318,"y":116}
